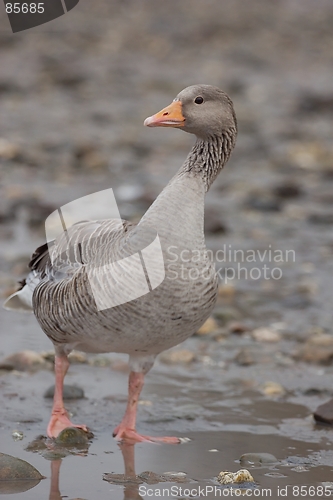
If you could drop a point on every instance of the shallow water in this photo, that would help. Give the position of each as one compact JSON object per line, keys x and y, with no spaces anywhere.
{"x":81,"y":477}
{"x":73,"y":96}
{"x":220,"y":410}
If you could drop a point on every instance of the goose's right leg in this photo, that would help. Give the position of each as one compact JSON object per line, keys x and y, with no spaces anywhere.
{"x":59,"y":418}
{"x":126,"y":431}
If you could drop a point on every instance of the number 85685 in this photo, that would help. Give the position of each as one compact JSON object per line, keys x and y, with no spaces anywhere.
{"x":24,"y":8}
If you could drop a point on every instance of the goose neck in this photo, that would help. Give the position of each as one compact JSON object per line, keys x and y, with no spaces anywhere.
{"x":208,"y":156}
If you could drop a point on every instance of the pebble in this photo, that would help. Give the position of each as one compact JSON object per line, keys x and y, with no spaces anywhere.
{"x":307,"y":155}
{"x":317,"y":349}
{"x":299,"y":468}
{"x":226,"y":314}
{"x":226,"y":291}
{"x":188,"y":411}
{"x":79,"y":358}
{"x":311,"y":102}
{"x":25,"y":361}
{"x":266,"y":335}
{"x":17,"y":435}
{"x":75,"y":357}
{"x":15,"y":469}
{"x":208,"y":327}
{"x":241,"y":476}
{"x":213,"y":222}
{"x":237,"y":327}
{"x":275,"y":475}
{"x":321,"y":218}
{"x":324,"y":413}
{"x":272,"y":389}
{"x":103,"y":361}
{"x":72,"y":436}
{"x":245,"y":357}
{"x":8,"y":150}
{"x":123,"y":479}
{"x":37,"y":445}
{"x":67,"y":443}
{"x":257,"y":458}
{"x":69,"y":392}
{"x":31,"y":209}
{"x":287,"y":190}
{"x":181,"y":356}
{"x":147,"y":477}
{"x":328,"y":485}
{"x":89,"y":156}
{"x":263,"y":202}
{"x":153,"y":478}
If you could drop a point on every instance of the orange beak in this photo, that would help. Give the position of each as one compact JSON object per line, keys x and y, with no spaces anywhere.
{"x":171,"y":116}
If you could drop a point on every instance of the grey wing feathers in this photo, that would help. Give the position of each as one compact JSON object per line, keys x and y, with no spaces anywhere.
{"x":61,"y":258}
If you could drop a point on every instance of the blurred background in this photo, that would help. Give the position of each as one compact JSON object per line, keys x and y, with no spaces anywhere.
{"x":73,"y":97}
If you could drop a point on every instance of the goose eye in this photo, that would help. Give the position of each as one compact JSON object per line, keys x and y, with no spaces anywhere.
{"x":198,"y":100}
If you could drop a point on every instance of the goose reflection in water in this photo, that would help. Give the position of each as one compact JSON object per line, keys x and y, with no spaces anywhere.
{"x":129,"y":479}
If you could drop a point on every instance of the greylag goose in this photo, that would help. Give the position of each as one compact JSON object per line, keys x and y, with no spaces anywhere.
{"x":59,"y":290}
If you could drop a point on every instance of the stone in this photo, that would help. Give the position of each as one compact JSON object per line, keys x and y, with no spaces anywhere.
{"x":79,"y":358}
{"x":308,"y":154}
{"x":208,"y":327}
{"x":257,"y":458}
{"x":226,"y":314}
{"x":189,"y":411}
{"x":214,"y":224}
{"x":273,"y":389}
{"x":15,"y":469}
{"x":181,"y":356}
{"x":69,"y":392}
{"x":328,"y":485}
{"x":150,"y":477}
{"x":299,"y":468}
{"x":8,"y":150}
{"x":313,"y":102}
{"x":266,"y":335}
{"x":241,"y":476}
{"x":25,"y":361}
{"x":75,"y":357}
{"x":324,"y":413}
{"x":226,"y":291}
{"x":317,"y":349}
{"x":89,"y":156}
{"x":321,"y":218}
{"x":287,"y":190}
{"x":103,"y":362}
{"x":263,"y":202}
{"x":245,"y":357}
{"x":17,"y":435}
{"x":237,"y":327}
{"x":122,"y":479}
{"x":73,"y":436}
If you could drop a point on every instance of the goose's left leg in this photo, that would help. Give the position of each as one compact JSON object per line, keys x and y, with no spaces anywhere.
{"x":59,"y":418}
{"x":126,"y":429}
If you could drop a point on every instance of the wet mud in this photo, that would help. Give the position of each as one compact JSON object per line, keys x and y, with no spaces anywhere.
{"x":73,"y":97}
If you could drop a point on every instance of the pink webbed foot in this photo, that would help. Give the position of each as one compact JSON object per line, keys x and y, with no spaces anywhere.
{"x":125,"y":431}
{"x":59,"y":422}
{"x":125,"y":434}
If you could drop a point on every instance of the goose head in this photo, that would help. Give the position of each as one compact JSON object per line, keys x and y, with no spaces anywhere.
{"x":202,"y":110}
